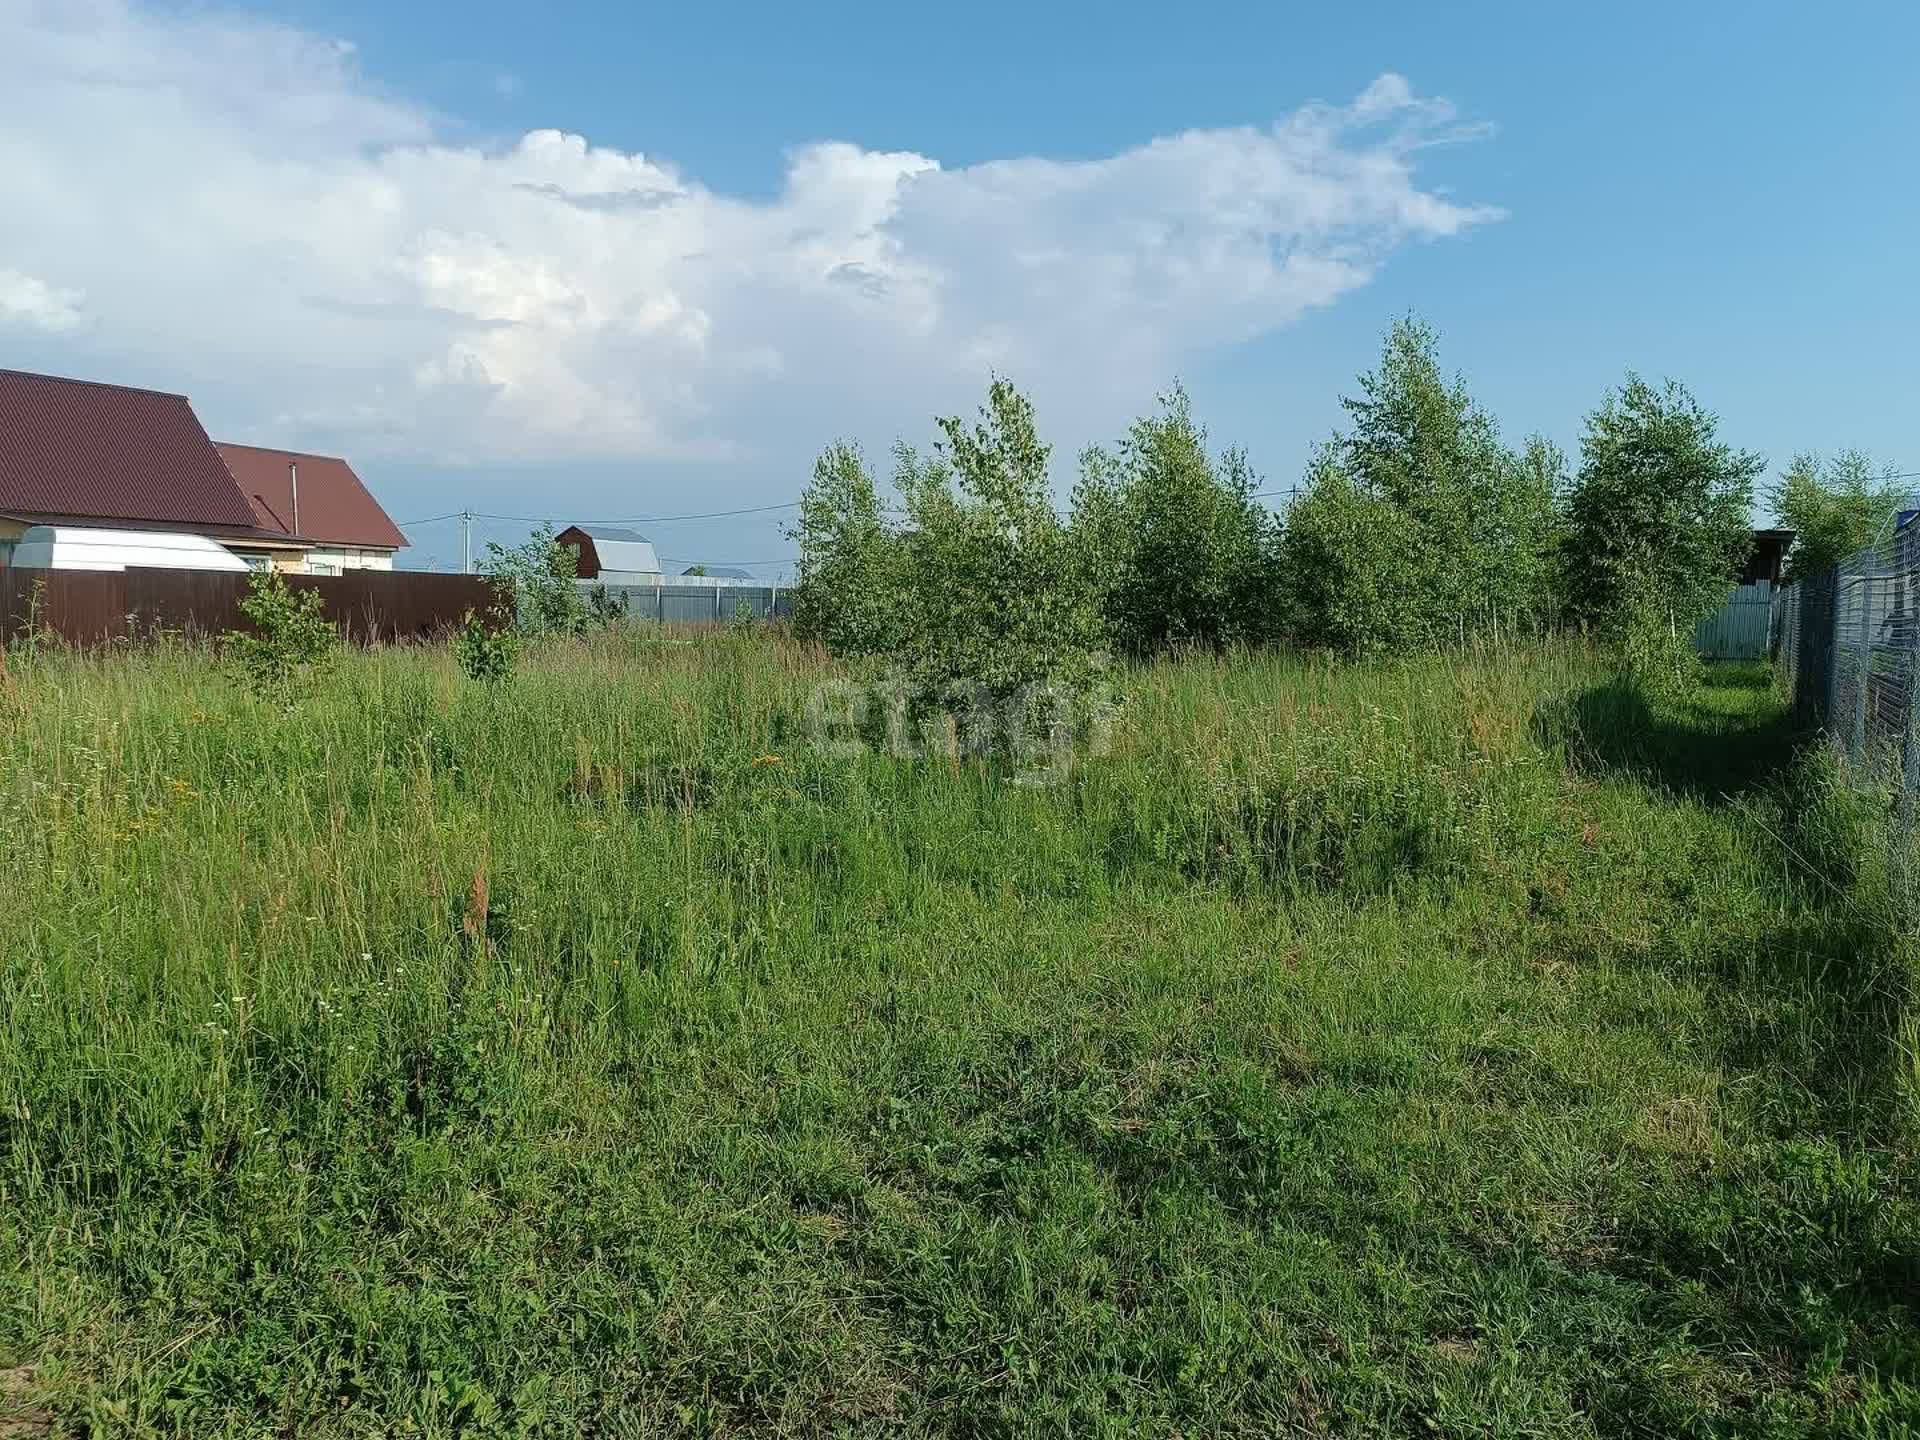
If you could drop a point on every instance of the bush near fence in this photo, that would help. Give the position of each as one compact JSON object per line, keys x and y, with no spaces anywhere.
{"x":90,"y":607}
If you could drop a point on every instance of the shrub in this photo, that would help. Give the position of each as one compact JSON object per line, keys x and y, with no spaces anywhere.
{"x":487,"y":646}
{"x":1656,"y":651}
{"x":541,"y":576}
{"x":1658,"y":517}
{"x":292,"y":638}
{"x":848,"y":596}
{"x":1000,"y":605}
{"x":1834,"y":506}
{"x":1345,"y":585}
{"x":607,"y":607}
{"x":1419,"y":527}
{"x":979,"y":603}
{"x":1176,"y":550}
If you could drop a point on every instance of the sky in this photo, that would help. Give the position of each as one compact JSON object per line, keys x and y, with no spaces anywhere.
{"x":625,"y":261}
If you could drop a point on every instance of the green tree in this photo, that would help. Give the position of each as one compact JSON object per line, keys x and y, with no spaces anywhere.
{"x":1658,"y":521}
{"x":1176,"y":550}
{"x":1543,"y":484}
{"x":1835,"y":506}
{"x":1000,"y":598}
{"x":539,"y":583}
{"x":1418,"y":526}
{"x":1344,"y":565}
{"x":977,"y":606}
{"x":848,"y":594}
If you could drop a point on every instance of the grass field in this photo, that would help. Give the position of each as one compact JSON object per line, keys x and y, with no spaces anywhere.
{"x":1452,"y":1046}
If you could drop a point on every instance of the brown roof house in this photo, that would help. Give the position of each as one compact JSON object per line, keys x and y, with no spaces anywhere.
{"x":319,"y":499}
{"x":1768,"y":558}
{"x":80,"y":453}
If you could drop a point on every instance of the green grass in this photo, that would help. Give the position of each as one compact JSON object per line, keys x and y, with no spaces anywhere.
{"x":1453,"y":1046}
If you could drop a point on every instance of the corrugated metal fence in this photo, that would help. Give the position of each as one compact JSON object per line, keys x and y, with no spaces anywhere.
{"x":1738,"y":629}
{"x":692,"y":603}
{"x":90,"y":607}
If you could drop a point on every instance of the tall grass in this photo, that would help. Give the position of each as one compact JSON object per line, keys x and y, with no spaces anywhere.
{"x":1451,"y":1045}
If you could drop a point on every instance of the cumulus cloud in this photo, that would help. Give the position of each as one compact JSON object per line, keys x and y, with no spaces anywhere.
{"x":33,"y":304}
{"x":313,"y":257}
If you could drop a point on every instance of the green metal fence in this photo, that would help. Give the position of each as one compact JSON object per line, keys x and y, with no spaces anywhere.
{"x":1739,"y":629}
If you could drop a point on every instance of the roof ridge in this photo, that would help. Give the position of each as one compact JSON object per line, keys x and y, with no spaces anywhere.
{"x":97,"y":384}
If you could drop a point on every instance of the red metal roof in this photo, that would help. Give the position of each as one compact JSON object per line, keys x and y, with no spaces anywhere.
{"x":335,"y":508}
{"x":110,"y":452}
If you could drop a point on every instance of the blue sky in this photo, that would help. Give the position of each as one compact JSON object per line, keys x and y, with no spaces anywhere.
{"x":1729,"y":195}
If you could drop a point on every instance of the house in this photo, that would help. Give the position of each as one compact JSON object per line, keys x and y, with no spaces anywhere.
{"x":80,"y":453}
{"x":320,"y":500}
{"x":83,"y":455}
{"x":717,"y":572}
{"x":1768,"y":557}
{"x":611,"y":555}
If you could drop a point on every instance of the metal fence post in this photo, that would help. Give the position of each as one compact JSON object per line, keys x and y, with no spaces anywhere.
{"x":1909,"y":751}
{"x":1831,"y":626}
{"x":1865,"y":681}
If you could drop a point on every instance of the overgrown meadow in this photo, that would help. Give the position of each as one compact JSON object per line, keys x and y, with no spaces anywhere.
{"x":1447,"y":1045}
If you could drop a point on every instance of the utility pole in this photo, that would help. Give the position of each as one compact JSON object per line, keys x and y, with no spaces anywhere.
{"x":466,"y":542}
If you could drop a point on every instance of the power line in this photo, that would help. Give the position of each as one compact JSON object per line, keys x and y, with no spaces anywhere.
{"x":718,"y":514}
{"x":702,"y":560}
{"x":643,"y":520}
{"x":675,"y":519}
{"x":484,"y":515}
{"x":1290,"y":490}
{"x":708,"y":515}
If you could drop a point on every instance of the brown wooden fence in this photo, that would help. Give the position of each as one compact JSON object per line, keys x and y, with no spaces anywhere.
{"x":90,"y":607}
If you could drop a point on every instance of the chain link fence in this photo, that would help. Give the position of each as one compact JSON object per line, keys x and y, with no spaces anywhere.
{"x":1846,"y":643}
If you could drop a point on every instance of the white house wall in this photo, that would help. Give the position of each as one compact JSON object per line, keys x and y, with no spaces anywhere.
{"x":336,"y":562}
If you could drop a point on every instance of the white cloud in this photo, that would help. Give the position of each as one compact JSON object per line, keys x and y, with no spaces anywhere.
{"x":36,"y":305}
{"x":312,"y":257}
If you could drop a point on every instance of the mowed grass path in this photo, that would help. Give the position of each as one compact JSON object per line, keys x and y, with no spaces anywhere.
{"x":1449,"y":1046}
